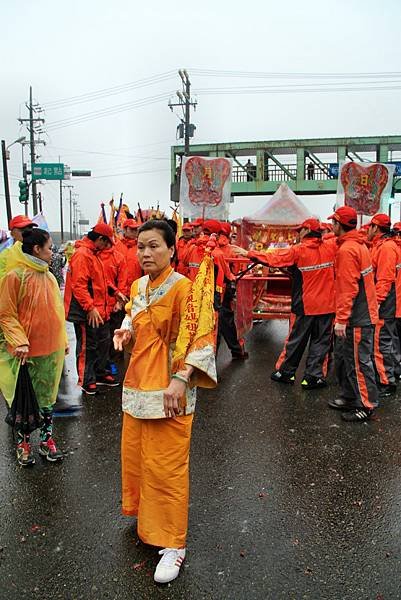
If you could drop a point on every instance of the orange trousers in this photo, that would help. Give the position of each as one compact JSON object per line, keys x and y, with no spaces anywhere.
{"x":155,"y":477}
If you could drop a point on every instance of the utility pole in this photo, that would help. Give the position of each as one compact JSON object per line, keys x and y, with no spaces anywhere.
{"x":61,"y":211}
{"x":6,"y":184}
{"x":32,"y":142}
{"x":186,"y":129}
{"x":71,"y":232}
{"x":32,"y":149}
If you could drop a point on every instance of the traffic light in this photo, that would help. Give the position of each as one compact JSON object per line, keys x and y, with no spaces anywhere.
{"x":23,"y":191}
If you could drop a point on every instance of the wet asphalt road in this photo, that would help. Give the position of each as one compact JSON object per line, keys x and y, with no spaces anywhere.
{"x":287,"y":501}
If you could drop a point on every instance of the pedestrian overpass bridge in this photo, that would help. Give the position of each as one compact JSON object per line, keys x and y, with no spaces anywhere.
{"x":308,"y":166}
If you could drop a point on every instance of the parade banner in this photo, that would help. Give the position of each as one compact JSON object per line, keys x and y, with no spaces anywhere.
{"x":205,"y":187}
{"x":366,"y":187}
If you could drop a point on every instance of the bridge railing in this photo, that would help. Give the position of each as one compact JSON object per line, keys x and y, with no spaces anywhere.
{"x":274,"y":172}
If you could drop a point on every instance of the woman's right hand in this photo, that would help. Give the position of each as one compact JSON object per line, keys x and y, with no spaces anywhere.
{"x":21,"y":352}
{"x":120,"y":338}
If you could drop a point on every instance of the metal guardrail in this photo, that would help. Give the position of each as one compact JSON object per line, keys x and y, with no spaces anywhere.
{"x":312,"y":172}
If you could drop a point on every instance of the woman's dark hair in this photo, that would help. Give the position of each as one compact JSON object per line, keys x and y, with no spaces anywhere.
{"x":173,"y":225}
{"x":33,"y":237}
{"x":163,"y":227}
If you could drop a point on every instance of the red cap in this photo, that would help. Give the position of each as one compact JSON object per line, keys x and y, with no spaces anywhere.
{"x":197,"y":222}
{"x":312,"y":224}
{"x":345,"y":215}
{"x":324,"y":226}
{"x":382,"y":220}
{"x":131,"y":223}
{"x":212,"y":226}
{"x":225,"y":229}
{"x":187,"y":226}
{"x":20,"y":221}
{"x":397,"y":226}
{"x":104,"y":230}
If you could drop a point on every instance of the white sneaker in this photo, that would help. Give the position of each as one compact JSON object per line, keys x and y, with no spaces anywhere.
{"x":169,"y":564}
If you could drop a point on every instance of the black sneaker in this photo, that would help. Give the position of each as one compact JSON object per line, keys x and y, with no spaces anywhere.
{"x":357,"y":415}
{"x":239,"y":355}
{"x":343,"y":403}
{"x":313,"y":383}
{"x":108,"y":380}
{"x":385,"y":391}
{"x":50,"y":451}
{"x":282,"y":378}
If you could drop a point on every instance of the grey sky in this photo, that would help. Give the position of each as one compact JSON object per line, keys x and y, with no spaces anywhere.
{"x":66,"y":50}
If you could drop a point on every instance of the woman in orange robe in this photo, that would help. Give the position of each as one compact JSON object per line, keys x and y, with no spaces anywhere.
{"x":159,"y":401}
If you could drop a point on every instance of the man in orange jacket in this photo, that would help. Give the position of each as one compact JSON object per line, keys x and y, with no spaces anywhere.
{"x":355,"y":318}
{"x":311,"y":263}
{"x":397,"y":350}
{"x":115,"y":268}
{"x":86,"y":305}
{"x":226,"y":326}
{"x":386,"y":257}
{"x":183,"y":245}
{"x":127,"y":246}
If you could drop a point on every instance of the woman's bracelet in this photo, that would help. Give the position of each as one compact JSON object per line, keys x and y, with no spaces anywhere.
{"x":180,"y":378}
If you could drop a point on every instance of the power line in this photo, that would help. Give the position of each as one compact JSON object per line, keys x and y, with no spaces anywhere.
{"x":128,"y":156}
{"x":129,"y":173}
{"x":289,"y":75}
{"x":104,"y":93}
{"x":292,"y":90}
{"x":108,"y":111}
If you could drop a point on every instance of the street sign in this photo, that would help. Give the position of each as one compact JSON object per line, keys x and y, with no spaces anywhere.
{"x":48,"y":171}
{"x":83,"y":222}
{"x":78,"y":173}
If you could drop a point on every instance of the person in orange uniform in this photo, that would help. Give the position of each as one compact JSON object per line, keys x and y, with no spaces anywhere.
{"x":86,"y":305}
{"x":397,"y":349}
{"x":197,"y":226}
{"x":182,"y":247}
{"x":226,"y":325}
{"x":356,"y":316}
{"x":127,"y":246}
{"x":311,"y":263}
{"x":385,"y":257}
{"x":159,"y":401}
{"x":115,"y":267}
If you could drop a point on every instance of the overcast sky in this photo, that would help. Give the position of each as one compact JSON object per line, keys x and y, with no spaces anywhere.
{"x":70,"y":49}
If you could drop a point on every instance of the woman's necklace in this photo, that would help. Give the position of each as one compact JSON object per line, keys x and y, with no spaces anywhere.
{"x":148,"y":297}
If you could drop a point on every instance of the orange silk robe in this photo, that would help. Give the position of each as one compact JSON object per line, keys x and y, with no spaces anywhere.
{"x":154,"y":314}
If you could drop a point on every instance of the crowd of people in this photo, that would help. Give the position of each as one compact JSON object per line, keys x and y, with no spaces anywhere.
{"x":347,"y":282}
{"x":138,"y":295}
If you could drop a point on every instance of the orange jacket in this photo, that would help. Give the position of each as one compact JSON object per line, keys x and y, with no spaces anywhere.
{"x":128,"y":248}
{"x":182,"y":250}
{"x":115,"y":268}
{"x":385,"y":258}
{"x":193,"y":259}
{"x":397,"y":240}
{"x":311,"y":263}
{"x":86,"y":285}
{"x":356,"y":303}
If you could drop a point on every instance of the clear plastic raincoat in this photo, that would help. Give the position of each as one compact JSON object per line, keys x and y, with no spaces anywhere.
{"x":32,"y":314}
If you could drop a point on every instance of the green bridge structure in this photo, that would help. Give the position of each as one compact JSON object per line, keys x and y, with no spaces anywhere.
{"x":308,"y":166}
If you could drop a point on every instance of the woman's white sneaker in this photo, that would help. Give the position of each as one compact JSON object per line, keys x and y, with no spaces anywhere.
{"x":169,"y":565}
